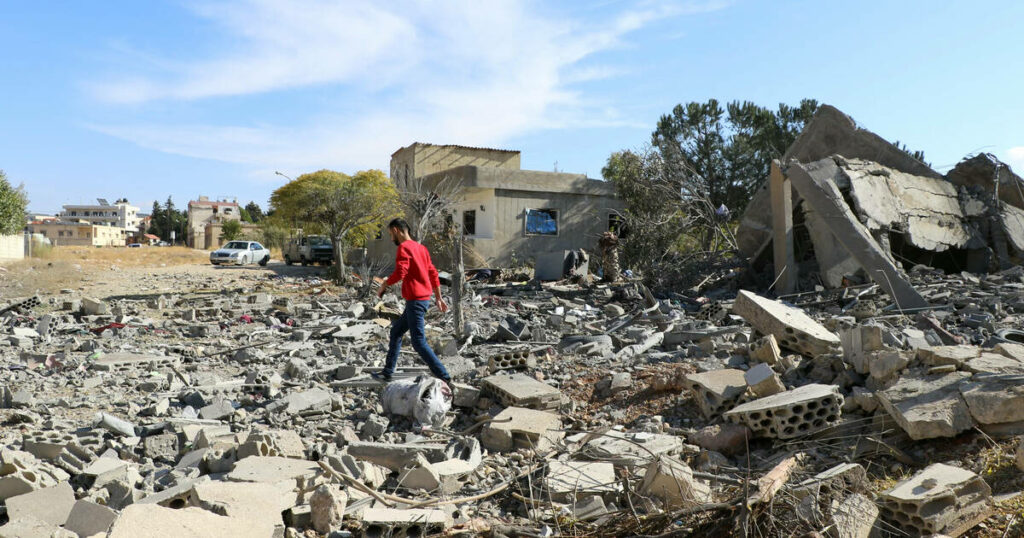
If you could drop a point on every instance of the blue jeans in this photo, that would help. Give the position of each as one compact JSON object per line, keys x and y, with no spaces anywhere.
{"x":411,"y":321}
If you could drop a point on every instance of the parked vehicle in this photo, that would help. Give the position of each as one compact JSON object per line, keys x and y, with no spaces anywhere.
{"x":135,"y":245}
{"x":309,"y":249}
{"x":240,"y":253}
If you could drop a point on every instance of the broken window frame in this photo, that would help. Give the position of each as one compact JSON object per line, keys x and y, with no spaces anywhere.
{"x":552,"y":216}
{"x":469,"y":224}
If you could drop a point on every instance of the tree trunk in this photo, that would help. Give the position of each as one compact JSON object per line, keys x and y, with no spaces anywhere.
{"x":341,"y":274}
{"x":458,"y":282}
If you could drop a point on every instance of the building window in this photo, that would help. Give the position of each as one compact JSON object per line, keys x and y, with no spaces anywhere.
{"x":60,"y":233}
{"x":469,"y":222}
{"x":541,"y":222}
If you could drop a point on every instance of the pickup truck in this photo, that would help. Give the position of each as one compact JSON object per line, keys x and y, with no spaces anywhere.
{"x":309,"y":249}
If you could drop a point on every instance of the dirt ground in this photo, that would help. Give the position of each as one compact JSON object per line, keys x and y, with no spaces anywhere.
{"x":123,"y":272}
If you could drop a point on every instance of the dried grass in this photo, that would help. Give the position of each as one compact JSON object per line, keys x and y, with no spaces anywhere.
{"x":54,"y":268}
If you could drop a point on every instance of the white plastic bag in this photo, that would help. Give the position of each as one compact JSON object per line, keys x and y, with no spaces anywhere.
{"x":426,"y":399}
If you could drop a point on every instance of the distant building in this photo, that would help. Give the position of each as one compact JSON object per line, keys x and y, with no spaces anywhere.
{"x":31,"y":217}
{"x":205,"y":212}
{"x":78,"y":233}
{"x":507,"y":213}
{"x":120,"y":215}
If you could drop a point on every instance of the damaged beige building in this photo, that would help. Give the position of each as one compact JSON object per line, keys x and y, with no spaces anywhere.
{"x":845,"y":206}
{"x":507,"y":213}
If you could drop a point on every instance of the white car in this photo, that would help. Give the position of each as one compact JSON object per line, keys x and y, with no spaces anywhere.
{"x":240,"y":253}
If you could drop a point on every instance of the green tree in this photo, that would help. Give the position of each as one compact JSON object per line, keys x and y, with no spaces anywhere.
{"x":255,"y":212}
{"x":157,"y":222}
{"x":230,"y":230}
{"x":244,"y":215}
{"x":13,"y":202}
{"x":274,"y":231}
{"x":729,"y":150}
{"x":654,"y":215}
{"x":349,"y":209}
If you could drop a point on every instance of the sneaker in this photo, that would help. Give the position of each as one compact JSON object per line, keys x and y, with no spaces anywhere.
{"x":381,"y":376}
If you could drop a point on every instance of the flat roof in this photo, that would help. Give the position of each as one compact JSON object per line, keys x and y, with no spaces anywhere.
{"x":210,"y":202}
{"x":454,"y":146}
{"x":490,"y":177}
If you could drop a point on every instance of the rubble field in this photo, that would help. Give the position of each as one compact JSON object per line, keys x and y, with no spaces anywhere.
{"x":200,"y":401}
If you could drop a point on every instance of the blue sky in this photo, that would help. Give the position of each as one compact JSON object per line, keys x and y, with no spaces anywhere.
{"x":149,"y":99}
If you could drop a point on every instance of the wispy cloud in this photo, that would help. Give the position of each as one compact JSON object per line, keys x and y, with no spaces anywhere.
{"x":461,"y":72}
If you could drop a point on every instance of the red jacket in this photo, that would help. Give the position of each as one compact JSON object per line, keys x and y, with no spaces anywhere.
{"x":417,"y":273}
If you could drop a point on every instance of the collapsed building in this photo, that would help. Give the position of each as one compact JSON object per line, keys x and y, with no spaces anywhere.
{"x":844,"y":206}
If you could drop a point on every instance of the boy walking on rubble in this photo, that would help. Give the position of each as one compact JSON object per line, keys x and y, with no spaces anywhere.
{"x":419,"y":280}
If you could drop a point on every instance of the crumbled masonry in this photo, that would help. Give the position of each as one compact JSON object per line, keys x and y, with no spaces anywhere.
{"x":882,"y":397}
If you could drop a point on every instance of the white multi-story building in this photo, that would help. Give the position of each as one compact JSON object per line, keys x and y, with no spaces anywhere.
{"x":120,"y":214}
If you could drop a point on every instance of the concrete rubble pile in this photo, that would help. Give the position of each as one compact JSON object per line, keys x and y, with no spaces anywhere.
{"x":264,"y":422}
{"x":576,"y":408}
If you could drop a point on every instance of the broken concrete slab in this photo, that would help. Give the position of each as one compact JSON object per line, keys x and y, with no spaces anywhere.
{"x":672,"y":481}
{"x":630,"y":449}
{"x":33,"y":528}
{"x":51,"y":505}
{"x":94,"y":307}
{"x":716,"y":390}
{"x":283,"y":443}
{"x":885,"y":364}
{"x":793,"y":413}
{"x":517,"y":427}
{"x":395,"y":456}
{"x":255,"y":501}
{"x":104,"y":470}
{"x":944,"y":355}
{"x":928,"y":406}
{"x":409,"y":522}
{"x":569,"y":481}
{"x":153,"y":521}
{"x":120,"y":362}
{"x":765,"y":350}
{"x":272,"y":469}
{"x":326,"y":507}
{"x":309,"y":400}
{"x":939,"y":498}
{"x":728,"y":439}
{"x":520,"y":390}
{"x":833,"y":482}
{"x":815,"y":182}
{"x":994,"y":177}
{"x":88,"y":518}
{"x":994,"y":363}
{"x":858,"y":343}
{"x":995,"y":398}
{"x":791,"y":327}
{"x":763,"y":381}
{"x":853,"y":516}
{"x":926,"y":210}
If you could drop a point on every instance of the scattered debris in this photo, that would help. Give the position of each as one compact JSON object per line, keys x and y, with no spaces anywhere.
{"x":877,"y":394}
